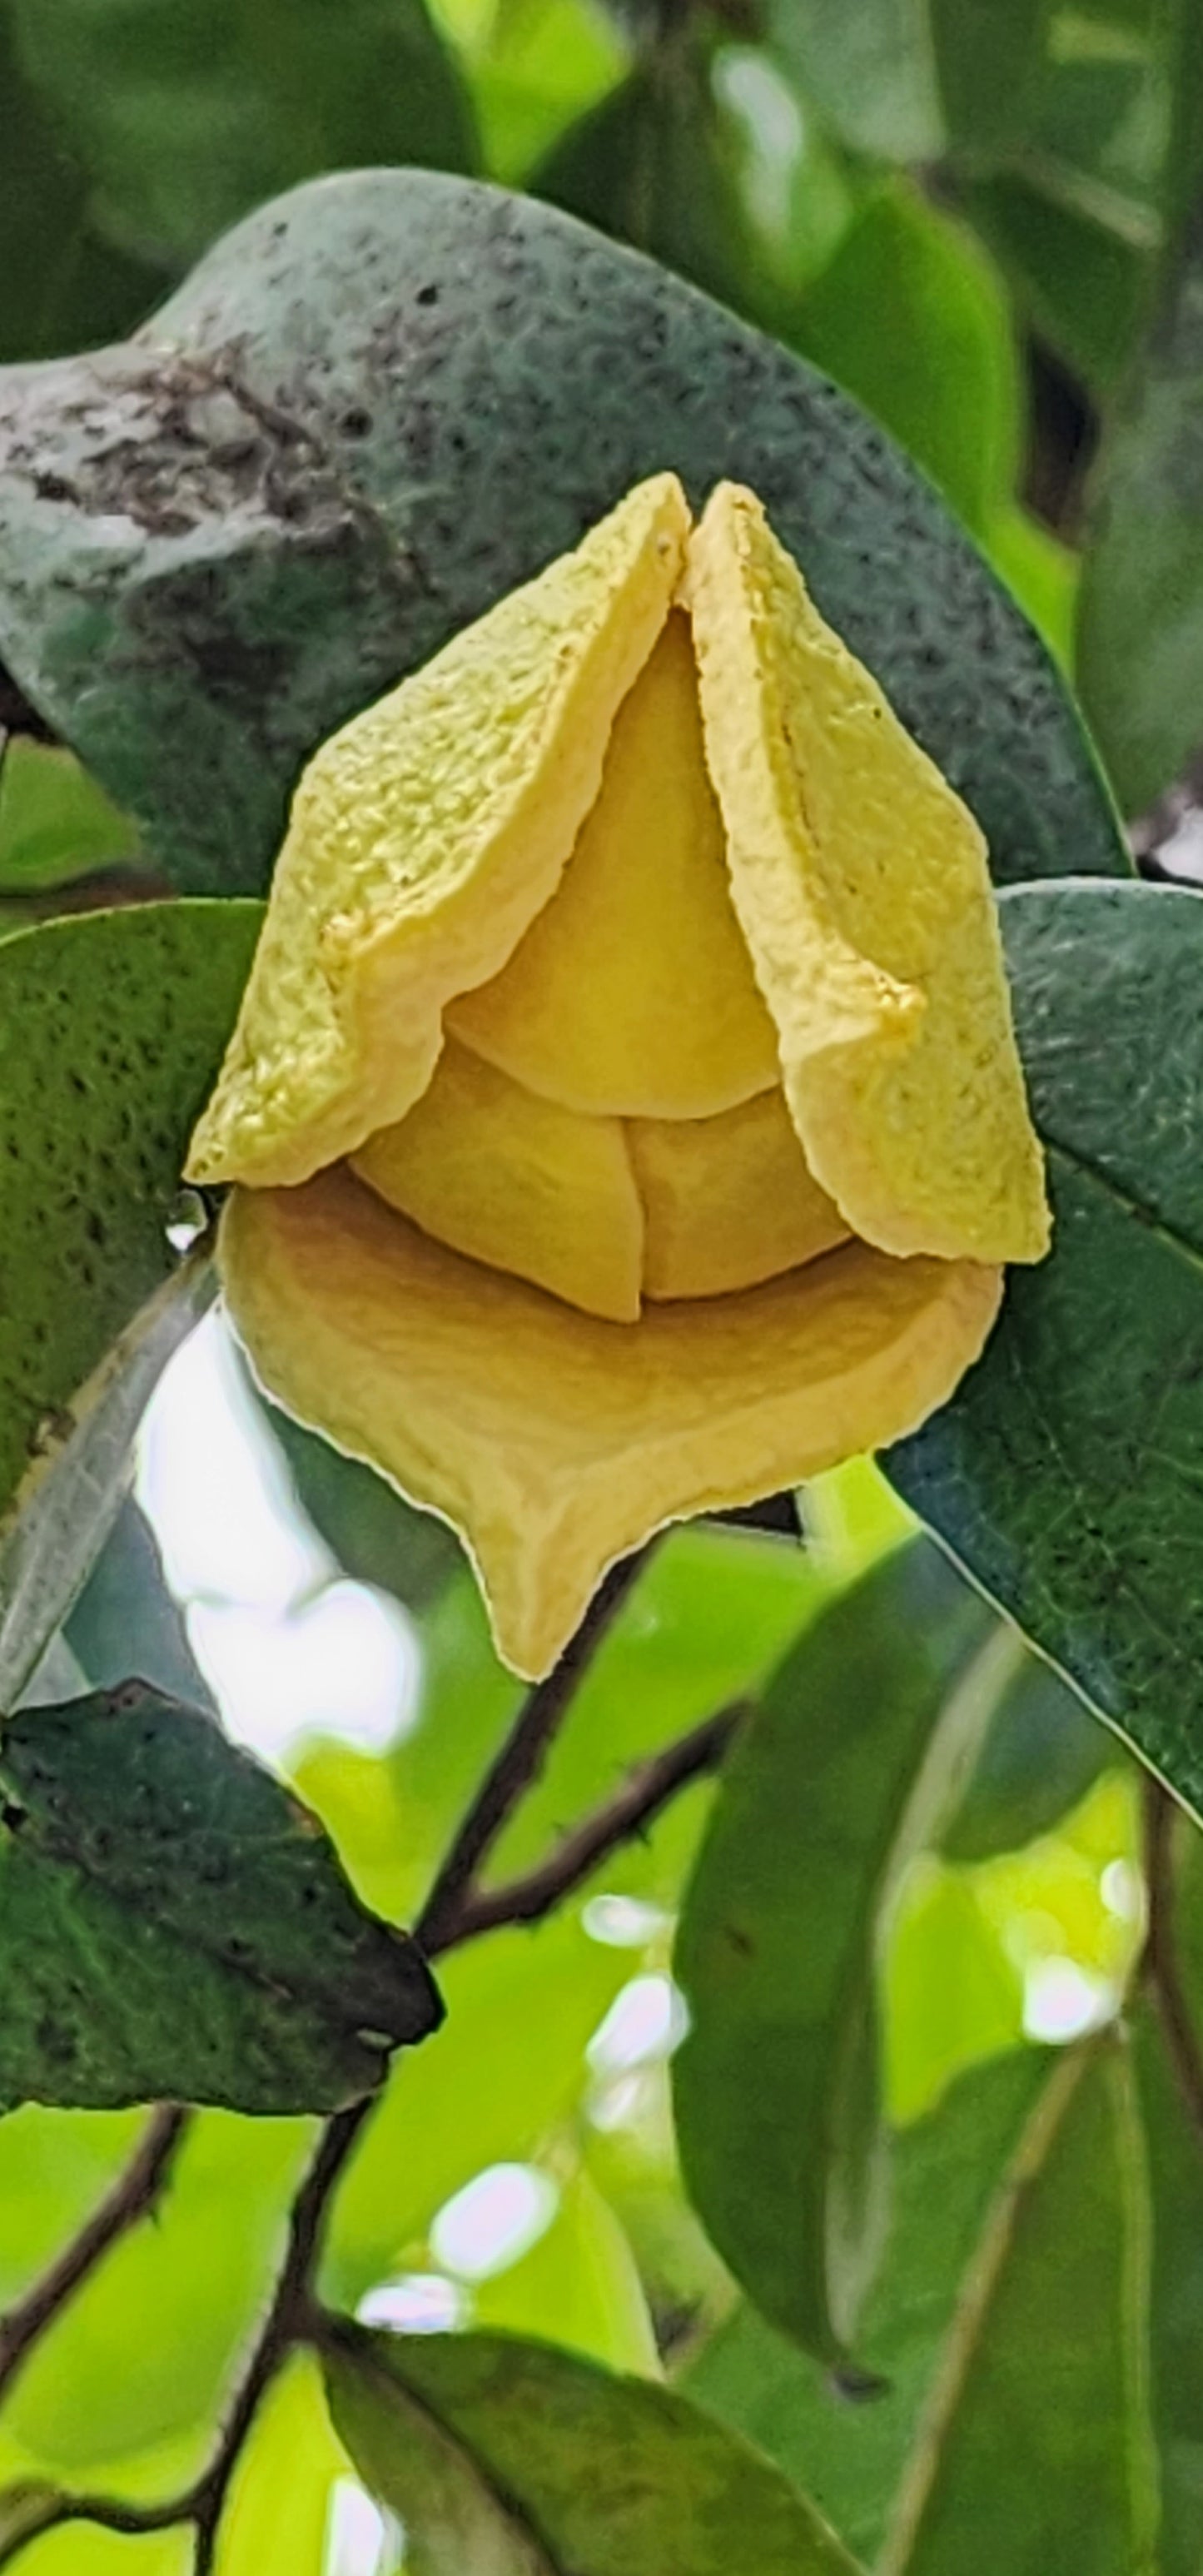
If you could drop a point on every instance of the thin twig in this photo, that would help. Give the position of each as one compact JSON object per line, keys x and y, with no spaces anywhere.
{"x":646,"y":1790}
{"x":1160,"y":1952}
{"x":130,"y":2199}
{"x":519,"y":1763}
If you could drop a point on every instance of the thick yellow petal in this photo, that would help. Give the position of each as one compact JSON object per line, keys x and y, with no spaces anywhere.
{"x":555,"y":1443}
{"x":517,"y":1181}
{"x":728,"y":1200}
{"x":861,"y":883}
{"x":633,"y":992}
{"x":424,"y":839}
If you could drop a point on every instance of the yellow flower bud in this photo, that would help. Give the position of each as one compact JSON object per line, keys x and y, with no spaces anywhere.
{"x":624,"y":1104}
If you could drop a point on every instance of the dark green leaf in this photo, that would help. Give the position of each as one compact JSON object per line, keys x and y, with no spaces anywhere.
{"x":374,"y":1535}
{"x":511,"y":2456}
{"x":125,"y":1619}
{"x":950,"y":2170}
{"x":187,"y":116}
{"x":176,"y":1927}
{"x":1140,"y":630}
{"x":55,"y":822}
{"x":1066,"y":1472}
{"x":841,"y":1774}
{"x":61,"y":1520}
{"x":1034,"y":2451}
{"x":359,"y":423}
{"x":911,"y":316}
{"x":58,"y":290}
{"x":1082,"y":282}
{"x":990,"y":59}
{"x":1041,"y":1754}
{"x":112,"y":1026}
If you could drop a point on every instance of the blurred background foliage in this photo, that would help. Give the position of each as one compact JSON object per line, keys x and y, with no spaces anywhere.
{"x":982,"y":217}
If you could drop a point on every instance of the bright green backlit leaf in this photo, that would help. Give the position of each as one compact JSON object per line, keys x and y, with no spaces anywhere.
{"x":578,"y":2286}
{"x":55,"y":822}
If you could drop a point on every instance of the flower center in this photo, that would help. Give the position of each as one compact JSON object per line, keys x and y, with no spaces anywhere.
{"x":606,"y":1118}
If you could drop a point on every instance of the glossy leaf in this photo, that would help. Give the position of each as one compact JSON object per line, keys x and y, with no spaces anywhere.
{"x":950,"y":2172}
{"x":111,"y":1026}
{"x":185,"y":117}
{"x":840,"y":1775}
{"x":1065,"y":1472}
{"x":275,"y":440}
{"x":510,"y":2456}
{"x":910,"y":315}
{"x":1140,"y":629}
{"x":145,"y":1857}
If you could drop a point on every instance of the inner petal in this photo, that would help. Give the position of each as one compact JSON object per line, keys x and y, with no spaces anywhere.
{"x":518,"y":1182}
{"x":632,"y":993}
{"x":727,"y":1201}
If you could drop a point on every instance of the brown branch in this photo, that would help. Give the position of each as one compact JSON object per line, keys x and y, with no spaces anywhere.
{"x":519,"y":1763}
{"x":1160,"y":1952}
{"x":130,"y":2199}
{"x":648,"y":1788}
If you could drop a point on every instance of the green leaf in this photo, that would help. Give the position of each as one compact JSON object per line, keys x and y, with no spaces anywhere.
{"x":870,"y":69}
{"x":374,"y":1535}
{"x":950,"y":2171}
{"x":1082,"y":282}
{"x":1065,"y":1473}
{"x":1035,"y":2441}
{"x":272,"y":447}
{"x":146,"y":1858}
{"x":508,"y":2072}
{"x":839,"y":1777}
{"x":505,"y":2455}
{"x":58,"y":288}
{"x":96,"y":2405}
{"x":1140,"y":626}
{"x":112,"y":1026}
{"x":185,"y":118}
{"x":61,"y":1520}
{"x":1042,"y":1752}
{"x":278,"y":2518}
{"x":677,"y":162}
{"x":1176,"y":2283}
{"x":577,"y":2285}
{"x":911,"y":317}
{"x":126,"y":1615}
{"x":990,"y":63}
{"x":55,"y":822}
{"x":533,"y":69}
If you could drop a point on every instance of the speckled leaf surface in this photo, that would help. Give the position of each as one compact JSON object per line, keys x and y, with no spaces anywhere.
{"x":174,"y":1926}
{"x":374,"y":408}
{"x":111,"y":1029}
{"x":842,"y":1772}
{"x":1067,"y":1473}
{"x":543,"y":2465}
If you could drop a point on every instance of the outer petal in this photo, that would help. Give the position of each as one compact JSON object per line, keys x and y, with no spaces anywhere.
{"x":555,"y":1442}
{"x":424,"y":838}
{"x":861,"y":883}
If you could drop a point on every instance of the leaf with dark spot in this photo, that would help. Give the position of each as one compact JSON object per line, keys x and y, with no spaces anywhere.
{"x":175,"y":1927}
